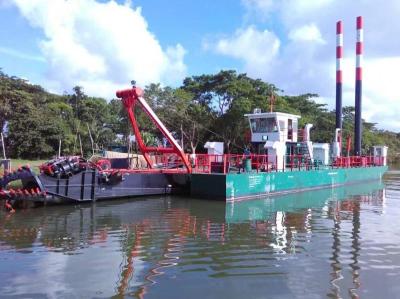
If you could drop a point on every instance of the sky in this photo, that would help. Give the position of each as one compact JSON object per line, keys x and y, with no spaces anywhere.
{"x":102,"y":45}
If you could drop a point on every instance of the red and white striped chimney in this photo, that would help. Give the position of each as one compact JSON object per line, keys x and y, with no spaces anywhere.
{"x":339,"y":59}
{"x":358,"y":96}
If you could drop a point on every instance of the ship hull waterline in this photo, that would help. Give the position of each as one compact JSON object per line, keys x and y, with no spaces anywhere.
{"x":241,"y":186}
{"x":85,"y":187}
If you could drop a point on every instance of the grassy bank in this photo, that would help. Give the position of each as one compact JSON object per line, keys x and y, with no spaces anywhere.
{"x":34,"y":164}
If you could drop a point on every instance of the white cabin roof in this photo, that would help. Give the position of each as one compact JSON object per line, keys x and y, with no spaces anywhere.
{"x":213,"y":144}
{"x":272,"y":114}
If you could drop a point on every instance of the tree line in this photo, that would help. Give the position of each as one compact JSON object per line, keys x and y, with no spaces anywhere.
{"x":208,"y":107}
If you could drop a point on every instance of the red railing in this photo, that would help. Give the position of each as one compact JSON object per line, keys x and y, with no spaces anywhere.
{"x":357,"y":161}
{"x":204,"y":163}
{"x":167,"y":161}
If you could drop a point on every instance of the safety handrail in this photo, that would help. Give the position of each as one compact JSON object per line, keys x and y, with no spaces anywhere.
{"x":207,"y":163}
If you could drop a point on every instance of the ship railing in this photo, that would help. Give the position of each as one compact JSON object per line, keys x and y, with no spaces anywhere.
{"x":206,"y":163}
{"x":167,"y":161}
{"x":228,"y":163}
{"x":357,"y":161}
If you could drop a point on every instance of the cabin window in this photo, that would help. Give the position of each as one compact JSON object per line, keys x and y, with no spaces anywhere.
{"x":263,"y":125}
{"x":290,"y":129}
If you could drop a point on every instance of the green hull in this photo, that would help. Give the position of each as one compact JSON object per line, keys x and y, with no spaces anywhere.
{"x":235,"y":186}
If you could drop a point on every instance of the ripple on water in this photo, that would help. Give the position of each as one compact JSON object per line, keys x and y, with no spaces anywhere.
{"x":331,"y":245}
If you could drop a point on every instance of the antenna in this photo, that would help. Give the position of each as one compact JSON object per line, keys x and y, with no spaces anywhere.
{"x":272,"y":101}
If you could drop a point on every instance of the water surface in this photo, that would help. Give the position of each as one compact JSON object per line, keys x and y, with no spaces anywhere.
{"x":335,"y":243}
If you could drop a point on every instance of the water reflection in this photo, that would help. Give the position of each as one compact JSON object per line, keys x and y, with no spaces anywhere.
{"x":298,"y":245}
{"x":261,"y":209}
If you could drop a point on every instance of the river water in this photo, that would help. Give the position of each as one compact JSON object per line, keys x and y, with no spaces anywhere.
{"x":335,"y":243}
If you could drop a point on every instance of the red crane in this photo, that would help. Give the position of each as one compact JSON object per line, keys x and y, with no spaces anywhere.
{"x":131,"y":97}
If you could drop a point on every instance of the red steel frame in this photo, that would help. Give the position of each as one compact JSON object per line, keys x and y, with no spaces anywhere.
{"x":130,"y":97}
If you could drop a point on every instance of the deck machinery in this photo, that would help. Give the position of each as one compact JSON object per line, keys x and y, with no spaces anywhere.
{"x":73,"y":179}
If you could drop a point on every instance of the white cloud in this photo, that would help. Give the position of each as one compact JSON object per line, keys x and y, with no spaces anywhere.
{"x":261,"y":8}
{"x":306,"y":33}
{"x":255,"y":48}
{"x":380,"y":88}
{"x":265,"y":5}
{"x":305,"y":62}
{"x":101,"y":46}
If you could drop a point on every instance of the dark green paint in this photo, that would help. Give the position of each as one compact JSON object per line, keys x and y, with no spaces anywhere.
{"x":208,"y":185}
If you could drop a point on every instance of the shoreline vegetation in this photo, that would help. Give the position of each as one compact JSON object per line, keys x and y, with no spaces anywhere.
{"x":33,"y":164}
{"x":204,"y":108}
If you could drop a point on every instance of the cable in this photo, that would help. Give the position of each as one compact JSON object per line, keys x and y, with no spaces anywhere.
{"x":204,"y":127}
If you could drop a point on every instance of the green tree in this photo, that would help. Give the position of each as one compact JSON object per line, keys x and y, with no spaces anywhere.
{"x":205,"y":107}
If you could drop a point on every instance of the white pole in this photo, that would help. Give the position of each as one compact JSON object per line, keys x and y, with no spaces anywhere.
{"x":80,"y":143}
{"x":59,"y":149}
{"x":76,"y":136}
{"x":4,"y":147}
{"x":91,"y":138}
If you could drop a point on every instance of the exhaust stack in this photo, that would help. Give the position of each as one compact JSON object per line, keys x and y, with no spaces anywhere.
{"x":339,"y":58}
{"x":358,"y":97}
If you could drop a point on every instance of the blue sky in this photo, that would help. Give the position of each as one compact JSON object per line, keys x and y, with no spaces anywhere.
{"x":18,"y":39}
{"x":189,"y":23}
{"x":186,"y":22}
{"x":102,"y":45}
